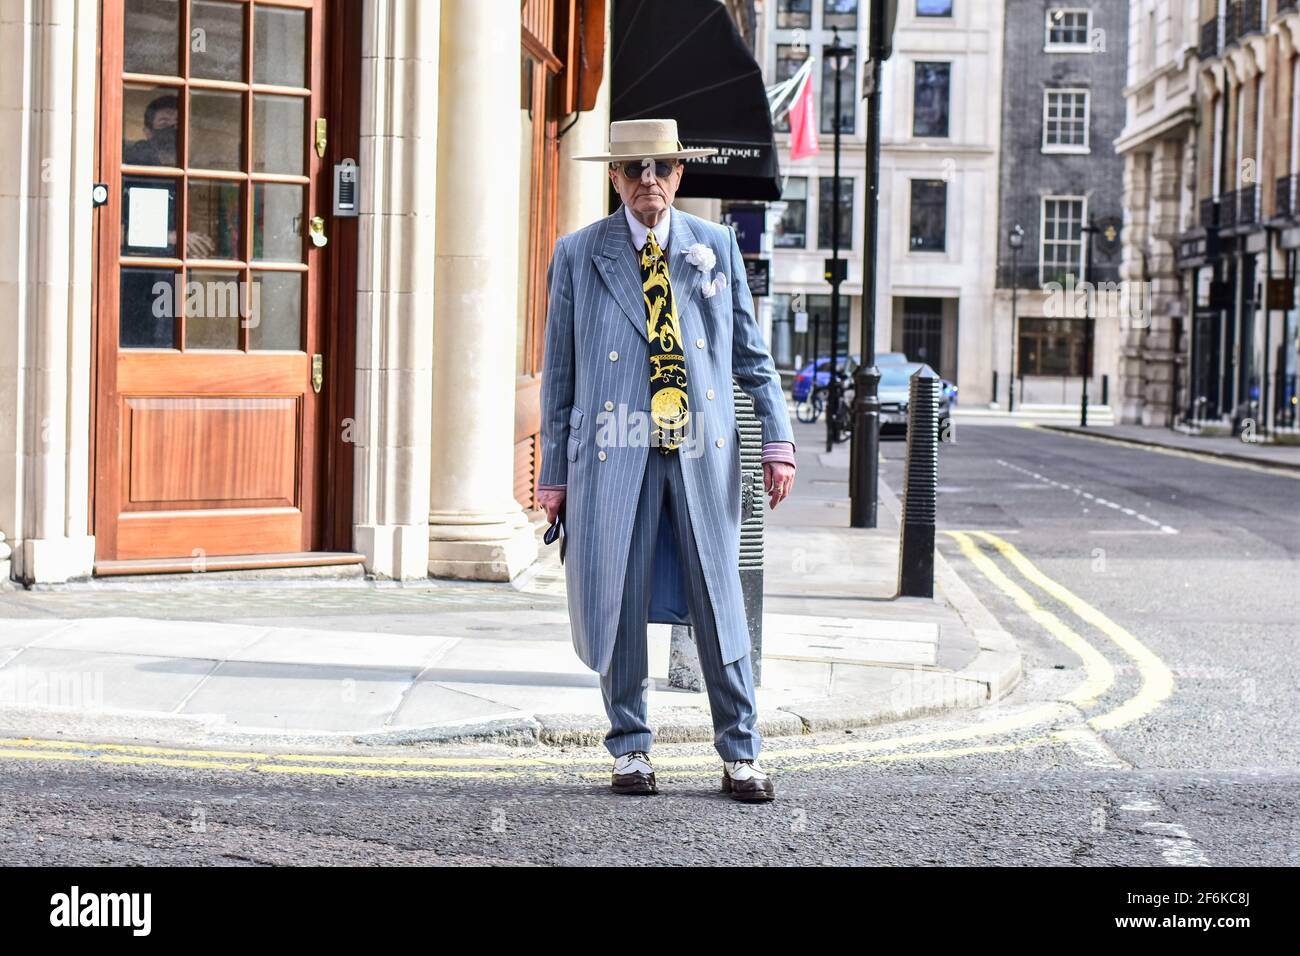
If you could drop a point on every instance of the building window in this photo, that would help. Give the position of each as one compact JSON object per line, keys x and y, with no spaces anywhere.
{"x":1052,"y":346}
{"x":848,"y":92}
{"x":1067,"y":29}
{"x":929,"y":215}
{"x":792,"y":14}
{"x":923,"y":331}
{"x":930,"y":99}
{"x":789,"y":57}
{"x":1065,"y":121}
{"x":840,"y":13}
{"x":1062,"y":244}
{"x":824,"y":212}
{"x":792,"y":227}
{"x":934,"y":8}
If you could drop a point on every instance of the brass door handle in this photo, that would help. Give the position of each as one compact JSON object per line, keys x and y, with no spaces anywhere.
{"x":317,"y":372}
{"x":316,"y":232}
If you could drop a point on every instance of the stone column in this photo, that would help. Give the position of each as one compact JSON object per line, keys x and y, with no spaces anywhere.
{"x":1164,"y":301}
{"x":1136,"y":201}
{"x":47,"y":120}
{"x":393,"y":430}
{"x":477,"y":529}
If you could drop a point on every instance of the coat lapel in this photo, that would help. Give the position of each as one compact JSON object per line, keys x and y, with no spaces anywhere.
{"x":684,"y":276}
{"x":617,"y":265}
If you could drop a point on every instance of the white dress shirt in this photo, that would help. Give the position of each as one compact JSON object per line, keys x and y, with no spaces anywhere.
{"x":640,"y":231}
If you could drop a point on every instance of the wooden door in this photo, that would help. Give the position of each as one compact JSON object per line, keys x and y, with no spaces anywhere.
{"x":209,"y":302}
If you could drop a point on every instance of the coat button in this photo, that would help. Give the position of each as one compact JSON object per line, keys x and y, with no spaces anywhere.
{"x":709,"y":394}
{"x":601,"y":456}
{"x":613,"y":356}
{"x":699,"y":343}
{"x":720,"y":442}
{"x":609,"y":406}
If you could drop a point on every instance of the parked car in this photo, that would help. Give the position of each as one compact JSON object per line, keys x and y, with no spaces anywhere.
{"x":895,"y":390}
{"x":802,"y":384}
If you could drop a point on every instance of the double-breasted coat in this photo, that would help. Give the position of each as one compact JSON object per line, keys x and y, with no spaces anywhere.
{"x":595,"y":389}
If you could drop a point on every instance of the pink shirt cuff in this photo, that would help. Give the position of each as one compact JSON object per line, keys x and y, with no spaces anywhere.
{"x":778,"y":451}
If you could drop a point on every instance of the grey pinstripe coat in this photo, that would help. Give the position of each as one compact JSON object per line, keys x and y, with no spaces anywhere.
{"x":596,"y":375}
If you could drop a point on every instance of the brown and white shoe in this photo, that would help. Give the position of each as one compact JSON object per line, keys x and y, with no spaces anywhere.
{"x":746,"y":781}
{"x":634,"y":775}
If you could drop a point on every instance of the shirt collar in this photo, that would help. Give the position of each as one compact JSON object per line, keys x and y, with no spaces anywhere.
{"x":640,"y":232}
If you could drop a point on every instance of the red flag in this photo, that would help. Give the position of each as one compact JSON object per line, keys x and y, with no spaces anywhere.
{"x":803,"y":123}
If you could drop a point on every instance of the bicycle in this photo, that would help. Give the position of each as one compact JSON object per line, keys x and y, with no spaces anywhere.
{"x":810,"y":409}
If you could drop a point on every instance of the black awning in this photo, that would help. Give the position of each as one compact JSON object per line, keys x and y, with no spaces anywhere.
{"x":685,"y":60}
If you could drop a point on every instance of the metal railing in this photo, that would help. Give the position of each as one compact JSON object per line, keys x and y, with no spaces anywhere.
{"x":1210,"y":213}
{"x":1228,"y":209}
{"x":1248,"y":205}
{"x":1285,"y":206}
{"x":1211,"y":38}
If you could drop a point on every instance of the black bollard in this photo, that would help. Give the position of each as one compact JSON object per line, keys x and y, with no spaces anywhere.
{"x":920,"y":488}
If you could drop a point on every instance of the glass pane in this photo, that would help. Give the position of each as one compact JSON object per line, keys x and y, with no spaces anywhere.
{"x":930,"y":99}
{"x":279,"y":134}
{"x":151,"y":36}
{"x":149,"y":122}
{"x":840,"y":13}
{"x":148,"y":217}
{"x":280,"y":46}
{"x":212,"y":310}
{"x":216,"y":130}
{"x":277,"y":222}
{"x":213,"y":228}
{"x":276,"y":320}
{"x":217,"y":40}
{"x":147,"y":309}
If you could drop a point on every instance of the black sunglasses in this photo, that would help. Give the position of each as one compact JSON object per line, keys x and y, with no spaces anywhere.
{"x":663,"y":168}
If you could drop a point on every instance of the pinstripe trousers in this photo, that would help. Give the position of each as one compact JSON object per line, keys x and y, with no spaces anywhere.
{"x":625,"y":683}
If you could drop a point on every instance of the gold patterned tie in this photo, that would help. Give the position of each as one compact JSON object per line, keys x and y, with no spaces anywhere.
{"x":669,"y":409}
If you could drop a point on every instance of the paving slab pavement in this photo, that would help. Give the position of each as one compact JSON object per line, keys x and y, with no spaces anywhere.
{"x":221,"y":658}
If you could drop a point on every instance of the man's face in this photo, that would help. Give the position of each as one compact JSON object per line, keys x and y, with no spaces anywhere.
{"x":647,"y":194}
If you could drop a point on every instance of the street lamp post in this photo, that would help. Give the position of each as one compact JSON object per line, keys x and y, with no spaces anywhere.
{"x":864,"y":457}
{"x":1089,"y":230}
{"x":1015,"y":239}
{"x":836,"y":273}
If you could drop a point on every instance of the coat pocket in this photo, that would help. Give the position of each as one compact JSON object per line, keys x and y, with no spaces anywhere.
{"x":574,"y":445}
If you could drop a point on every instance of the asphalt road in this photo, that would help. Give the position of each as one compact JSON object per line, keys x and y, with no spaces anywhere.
{"x":1156,"y":599}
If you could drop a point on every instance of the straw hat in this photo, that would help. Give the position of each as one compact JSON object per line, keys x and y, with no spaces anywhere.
{"x":644,"y":139}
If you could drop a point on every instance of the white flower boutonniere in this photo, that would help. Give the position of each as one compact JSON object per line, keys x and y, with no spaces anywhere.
{"x":701,"y":256}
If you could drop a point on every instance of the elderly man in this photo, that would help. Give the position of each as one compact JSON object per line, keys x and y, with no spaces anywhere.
{"x":650,"y":319}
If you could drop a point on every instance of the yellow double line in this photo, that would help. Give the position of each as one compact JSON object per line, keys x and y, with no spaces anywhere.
{"x":1156,"y":681}
{"x":980,"y":736}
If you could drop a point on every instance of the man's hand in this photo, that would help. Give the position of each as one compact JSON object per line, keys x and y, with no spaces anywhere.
{"x":778,"y":479}
{"x":552,"y":501}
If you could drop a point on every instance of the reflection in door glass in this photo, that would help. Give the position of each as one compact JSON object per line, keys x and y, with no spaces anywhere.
{"x":213,"y":229}
{"x":277,"y":222}
{"x":213,"y":309}
{"x":148,"y":216}
{"x":150,"y":117}
{"x":147,"y":309}
{"x":217,"y":40}
{"x":280,"y":46}
{"x":216,"y":130}
{"x":279,"y":131}
{"x":277,"y":322}
{"x":150,"y":37}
